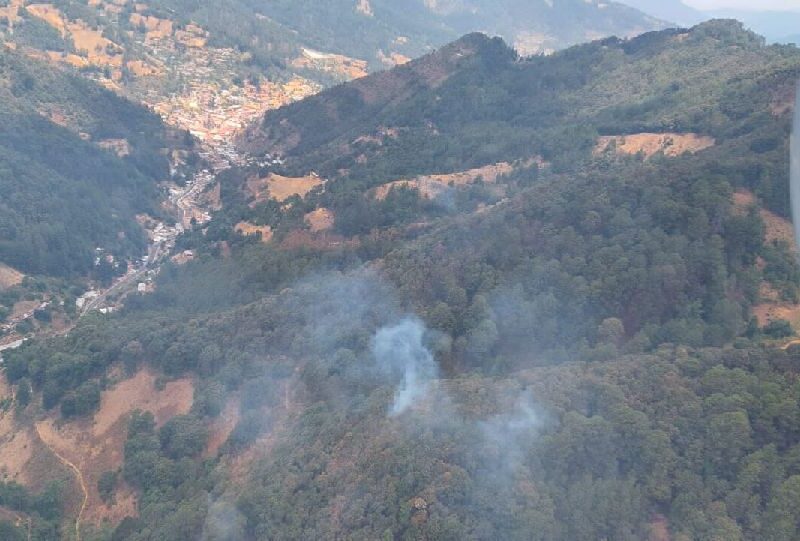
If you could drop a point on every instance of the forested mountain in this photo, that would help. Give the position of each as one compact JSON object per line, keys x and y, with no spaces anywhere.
{"x":65,"y":190}
{"x":475,"y":102}
{"x":524,"y":298}
{"x":535,"y":26}
{"x":407,"y":27}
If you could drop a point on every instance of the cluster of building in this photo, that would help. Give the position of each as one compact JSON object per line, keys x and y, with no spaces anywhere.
{"x":216,"y":113}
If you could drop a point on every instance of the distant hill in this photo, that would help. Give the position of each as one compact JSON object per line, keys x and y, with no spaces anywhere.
{"x":77,"y":163}
{"x":776,"y":26}
{"x":674,"y":11}
{"x":409,"y":27}
{"x":211,"y":67}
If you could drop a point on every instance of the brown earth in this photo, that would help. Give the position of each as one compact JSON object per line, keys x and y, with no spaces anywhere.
{"x":143,"y":69}
{"x":94,"y":446}
{"x":776,"y":229}
{"x":183,"y":257}
{"x":281,"y":188}
{"x":49,"y":14}
{"x":431,"y":186}
{"x":156,"y":28}
{"x":11,"y":11}
{"x":393,"y":59}
{"x":671,"y":144}
{"x":9,"y":277}
{"x":246,"y":228}
{"x":221,"y":428}
{"x":23,"y":307}
{"x":71,"y":59}
{"x":91,"y":45}
{"x":321,"y":219}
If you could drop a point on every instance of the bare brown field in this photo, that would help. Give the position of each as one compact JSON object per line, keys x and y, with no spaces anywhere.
{"x":321,"y":219}
{"x":281,"y":188}
{"x":93,"y":446}
{"x":246,"y":228}
{"x":431,"y":186}
{"x":649,"y":144}
{"x":9,"y":277}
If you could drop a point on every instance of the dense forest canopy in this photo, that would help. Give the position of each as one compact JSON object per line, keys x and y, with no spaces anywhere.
{"x":568,"y":351}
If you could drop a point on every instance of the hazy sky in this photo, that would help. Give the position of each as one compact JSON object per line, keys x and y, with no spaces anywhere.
{"x":756,"y":5}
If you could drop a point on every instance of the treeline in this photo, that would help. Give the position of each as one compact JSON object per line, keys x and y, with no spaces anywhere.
{"x":42,"y":512}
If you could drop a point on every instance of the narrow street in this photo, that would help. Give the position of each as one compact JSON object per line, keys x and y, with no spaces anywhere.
{"x":186,"y":202}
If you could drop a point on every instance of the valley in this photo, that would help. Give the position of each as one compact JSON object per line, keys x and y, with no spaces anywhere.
{"x":474,"y":296}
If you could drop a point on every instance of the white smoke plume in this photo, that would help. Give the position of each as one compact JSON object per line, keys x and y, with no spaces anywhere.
{"x":400,"y":350}
{"x":508,"y":435}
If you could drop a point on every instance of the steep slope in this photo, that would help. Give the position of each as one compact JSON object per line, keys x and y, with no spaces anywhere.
{"x":78,"y":163}
{"x":476,"y":103}
{"x":557,"y":345}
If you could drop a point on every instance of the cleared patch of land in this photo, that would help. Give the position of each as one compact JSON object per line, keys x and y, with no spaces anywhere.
{"x":649,"y":144}
{"x":246,"y":228}
{"x":281,"y":188}
{"x":9,"y":277}
{"x":430,"y":186}
{"x":321,"y":219}
{"x":94,"y":446}
{"x":776,"y":229}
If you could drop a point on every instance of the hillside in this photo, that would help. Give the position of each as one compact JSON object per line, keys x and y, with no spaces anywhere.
{"x":78,"y":163}
{"x":213,"y":67}
{"x":483,"y":297}
{"x":475,"y":103}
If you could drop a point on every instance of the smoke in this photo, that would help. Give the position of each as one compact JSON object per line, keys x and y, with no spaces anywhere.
{"x":223,"y":523}
{"x":794,"y":182}
{"x":399,"y":349}
{"x":508,"y":435}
